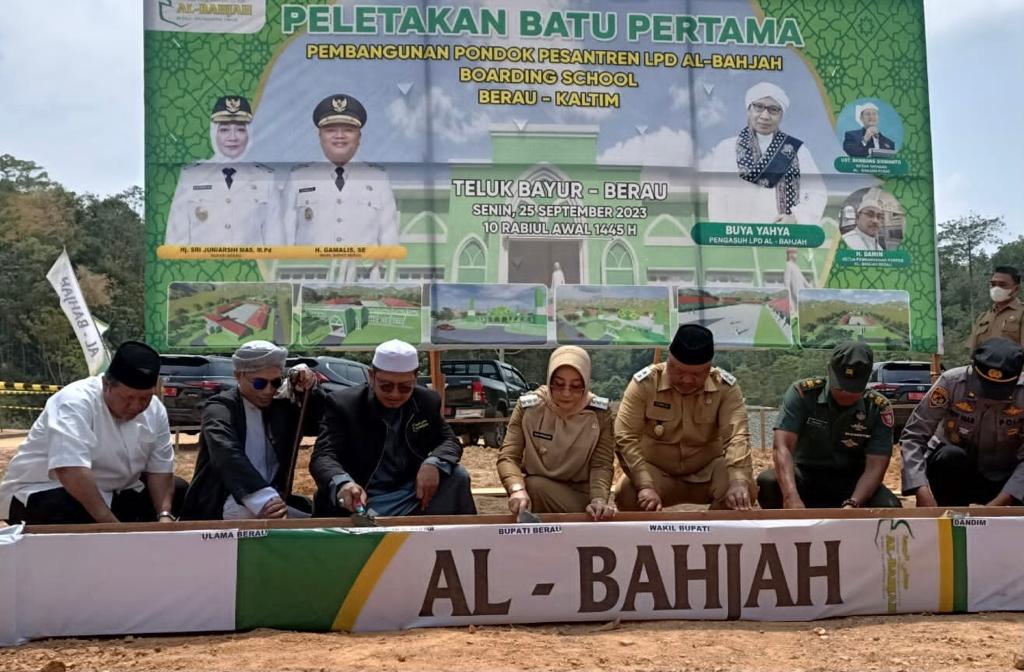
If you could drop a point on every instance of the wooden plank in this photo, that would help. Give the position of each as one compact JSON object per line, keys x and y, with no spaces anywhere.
{"x":489,"y":492}
{"x":436,"y":376}
{"x":506,"y":519}
{"x":936,"y":367}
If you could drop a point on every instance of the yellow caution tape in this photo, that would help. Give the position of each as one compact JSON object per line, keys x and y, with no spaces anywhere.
{"x":21,"y":392}
{"x":24,"y":408}
{"x":30,"y":387}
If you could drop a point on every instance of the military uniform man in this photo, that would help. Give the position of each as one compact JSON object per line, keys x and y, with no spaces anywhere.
{"x":340,"y":202}
{"x":962,"y":444}
{"x":682,"y":432}
{"x":1005,"y":319}
{"x":225,"y":201}
{"x":833,"y":440}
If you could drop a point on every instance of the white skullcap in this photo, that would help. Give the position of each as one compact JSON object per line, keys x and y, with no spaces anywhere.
{"x":767,"y":90}
{"x":860,"y":108}
{"x":872,"y":199}
{"x":396,"y":356}
{"x":256,"y":355}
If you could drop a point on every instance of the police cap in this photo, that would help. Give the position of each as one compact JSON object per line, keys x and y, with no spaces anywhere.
{"x":231,"y":109}
{"x":850,"y":366}
{"x":997,"y":366}
{"x":339,"y":108}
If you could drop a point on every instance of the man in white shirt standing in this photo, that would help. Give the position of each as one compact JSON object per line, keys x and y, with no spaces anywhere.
{"x":99,"y":452}
{"x":870,"y":218}
{"x":763,"y":175}
{"x":248,"y":433}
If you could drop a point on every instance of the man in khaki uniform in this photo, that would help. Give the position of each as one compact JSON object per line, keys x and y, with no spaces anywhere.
{"x":1005,"y":317}
{"x":682,"y":427}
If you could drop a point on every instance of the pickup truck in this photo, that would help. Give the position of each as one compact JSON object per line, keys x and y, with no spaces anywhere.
{"x":477,"y":389}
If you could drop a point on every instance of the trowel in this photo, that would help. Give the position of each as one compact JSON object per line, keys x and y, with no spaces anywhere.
{"x":364,"y":517}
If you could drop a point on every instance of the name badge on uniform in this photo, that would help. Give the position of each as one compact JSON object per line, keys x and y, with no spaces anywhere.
{"x":543,"y":435}
{"x":662,"y":404}
{"x":816,"y":422}
{"x":202,"y":187}
{"x":306,"y":190}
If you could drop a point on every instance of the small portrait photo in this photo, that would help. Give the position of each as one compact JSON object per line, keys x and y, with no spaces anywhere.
{"x":870,"y":128}
{"x":871,"y":219}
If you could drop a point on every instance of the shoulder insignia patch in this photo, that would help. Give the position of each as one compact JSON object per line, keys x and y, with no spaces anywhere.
{"x":939,"y":397}
{"x":810,"y":383}
{"x":726,"y":377}
{"x":878,"y":399}
{"x":643,"y":373}
{"x":888,"y":417}
{"x":529,"y":400}
{"x":600,"y":403}
{"x":267,"y":169}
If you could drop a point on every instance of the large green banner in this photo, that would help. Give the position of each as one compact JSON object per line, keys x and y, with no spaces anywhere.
{"x":330,"y":175}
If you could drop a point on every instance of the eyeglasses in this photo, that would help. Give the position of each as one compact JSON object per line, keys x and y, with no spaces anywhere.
{"x":773,"y":110}
{"x":387,"y":387}
{"x":871,"y":213}
{"x":575,"y":388}
{"x":261,"y":383}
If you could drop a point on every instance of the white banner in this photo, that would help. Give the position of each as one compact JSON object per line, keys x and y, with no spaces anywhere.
{"x":64,"y":282}
{"x":119,"y":584}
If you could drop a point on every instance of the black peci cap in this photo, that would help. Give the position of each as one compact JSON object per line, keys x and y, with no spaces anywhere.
{"x":136,"y":365}
{"x":693,"y":344}
{"x":339,"y":109}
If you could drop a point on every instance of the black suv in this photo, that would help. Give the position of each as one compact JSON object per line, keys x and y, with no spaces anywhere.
{"x":188,"y":381}
{"x":333,"y":372}
{"x":904,"y":384}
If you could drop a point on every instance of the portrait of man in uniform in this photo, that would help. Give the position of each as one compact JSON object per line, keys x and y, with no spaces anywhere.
{"x":341,"y":201}
{"x":225,"y":200}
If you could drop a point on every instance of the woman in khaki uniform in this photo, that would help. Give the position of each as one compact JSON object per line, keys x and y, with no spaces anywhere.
{"x":560,"y":445}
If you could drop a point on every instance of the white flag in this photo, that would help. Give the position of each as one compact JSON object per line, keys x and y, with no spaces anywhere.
{"x":63,"y":279}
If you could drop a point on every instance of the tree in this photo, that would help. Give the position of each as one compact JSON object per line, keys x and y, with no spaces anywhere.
{"x":969,"y":236}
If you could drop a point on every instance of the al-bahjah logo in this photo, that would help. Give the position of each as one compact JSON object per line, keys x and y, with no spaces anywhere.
{"x":892,"y":539}
{"x":167,"y":5}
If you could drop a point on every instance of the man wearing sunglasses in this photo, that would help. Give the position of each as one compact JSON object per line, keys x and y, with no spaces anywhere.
{"x":248,"y":433}
{"x":386,"y":446}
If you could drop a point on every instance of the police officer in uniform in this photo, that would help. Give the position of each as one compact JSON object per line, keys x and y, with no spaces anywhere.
{"x":962,"y":444}
{"x":682,"y":432}
{"x":1005,"y":319}
{"x":340,"y":202}
{"x":226,"y":201}
{"x":833,"y":440}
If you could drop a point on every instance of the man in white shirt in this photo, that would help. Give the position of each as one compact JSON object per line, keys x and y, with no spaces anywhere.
{"x":870,"y":217}
{"x":248,"y":433}
{"x":99,"y":452}
{"x":763,"y":175}
{"x":794,"y":280}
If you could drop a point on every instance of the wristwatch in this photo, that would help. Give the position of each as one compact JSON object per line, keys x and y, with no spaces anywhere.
{"x":852,"y":503}
{"x":165,"y":514}
{"x":516,"y":488}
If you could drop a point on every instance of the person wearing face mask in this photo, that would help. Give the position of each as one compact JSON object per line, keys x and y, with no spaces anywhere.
{"x":225,"y":200}
{"x":862,"y":141}
{"x":1004,"y":318}
{"x":763,"y":174}
{"x":386,"y":446}
{"x":681,"y":432}
{"x":245,"y":446}
{"x":341,"y":201}
{"x":559,"y":449}
{"x":833,"y":440}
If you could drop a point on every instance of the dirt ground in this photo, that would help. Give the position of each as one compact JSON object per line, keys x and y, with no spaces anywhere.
{"x":909,"y":643}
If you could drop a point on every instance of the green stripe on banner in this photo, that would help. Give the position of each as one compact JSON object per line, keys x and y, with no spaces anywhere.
{"x":298,"y":579}
{"x":959,"y":568}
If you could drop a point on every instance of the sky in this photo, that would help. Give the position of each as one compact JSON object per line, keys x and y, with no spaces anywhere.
{"x":71,"y":73}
